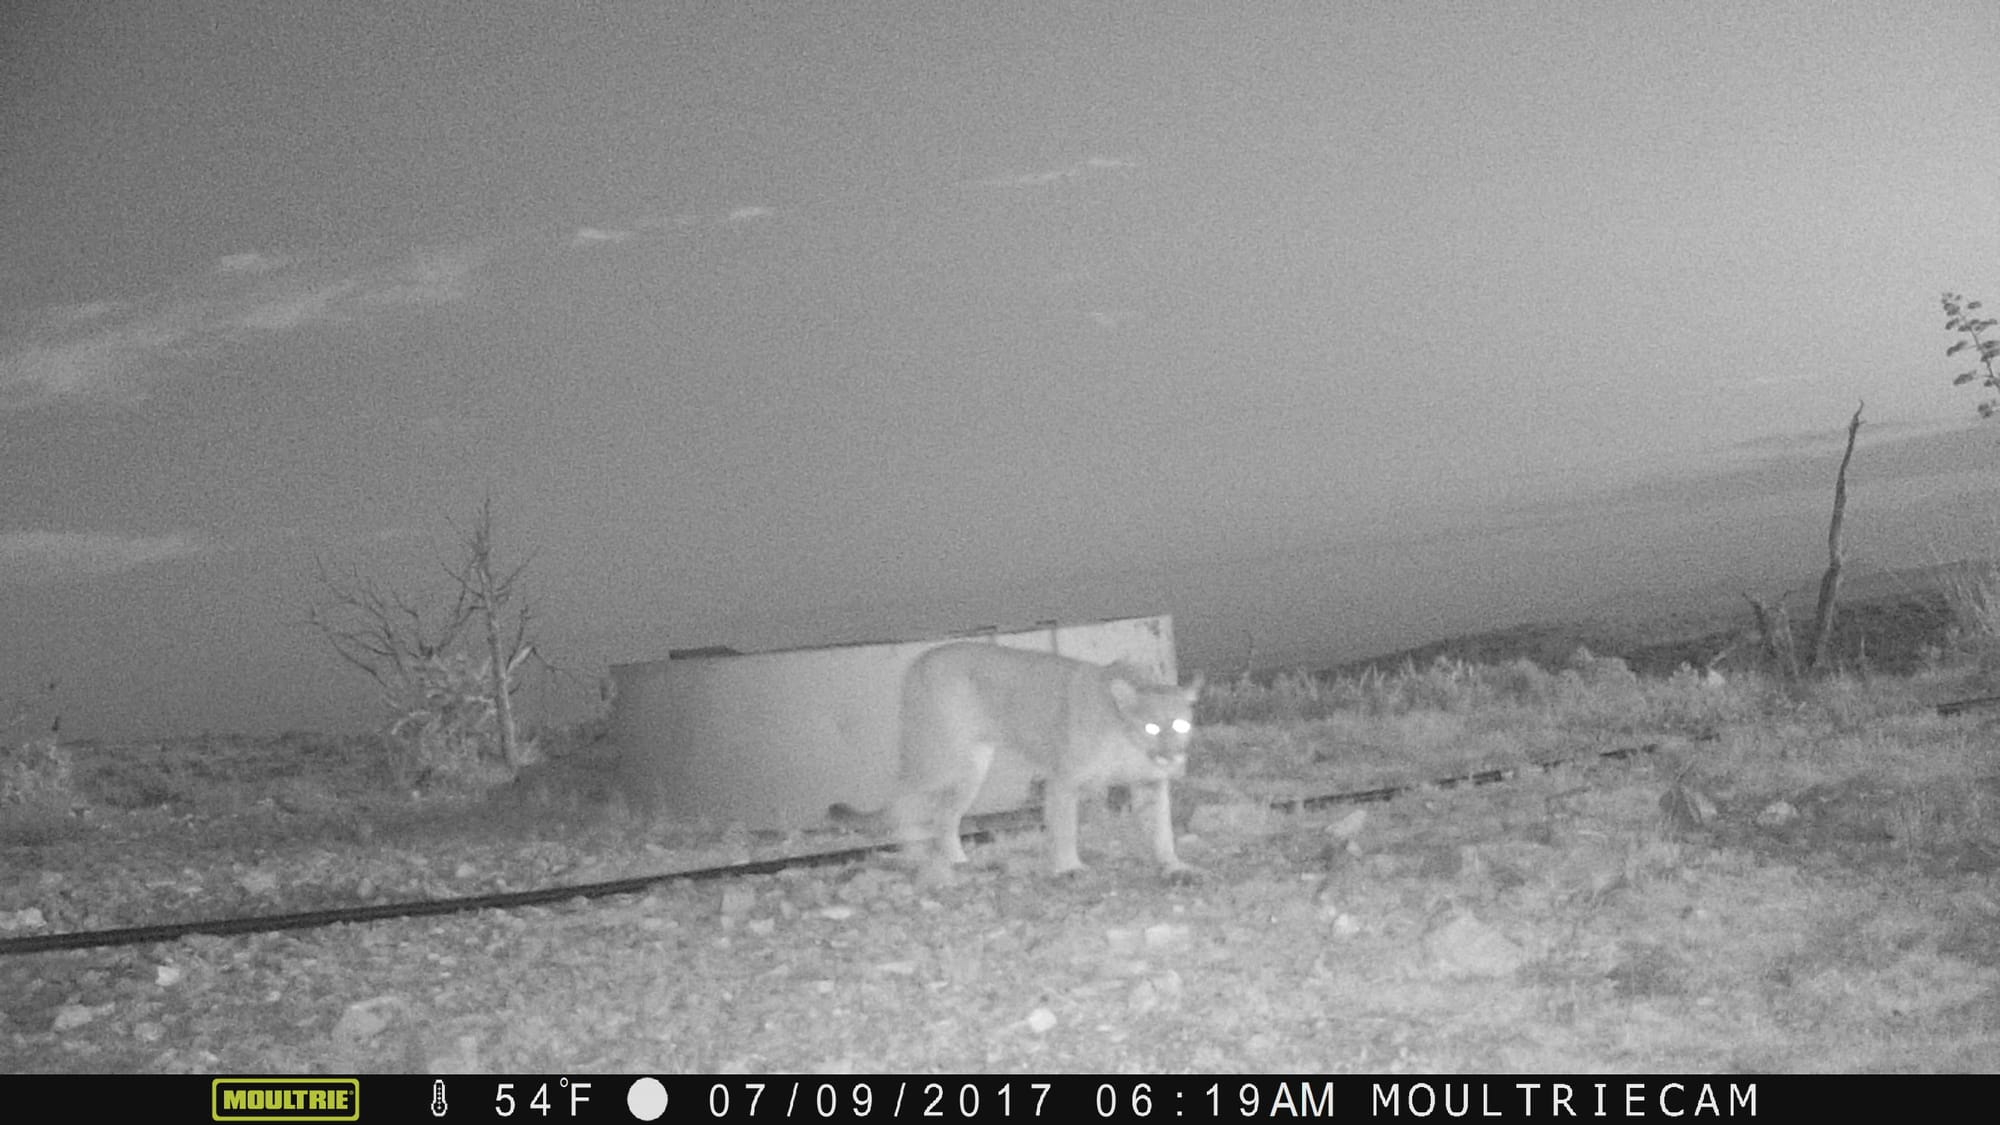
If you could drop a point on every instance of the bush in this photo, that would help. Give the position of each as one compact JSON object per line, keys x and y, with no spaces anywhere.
{"x":1972,"y":595}
{"x":448,"y":736}
{"x":36,"y":775}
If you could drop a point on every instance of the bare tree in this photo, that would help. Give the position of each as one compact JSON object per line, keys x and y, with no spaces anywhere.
{"x":490,"y":597}
{"x":415,"y":657}
{"x":380,"y":632}
{"x":1829,"y":583}
{"x":1774,"y":630}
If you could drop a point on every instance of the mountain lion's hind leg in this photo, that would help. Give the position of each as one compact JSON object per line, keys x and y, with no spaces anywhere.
{"x":955,"y":799}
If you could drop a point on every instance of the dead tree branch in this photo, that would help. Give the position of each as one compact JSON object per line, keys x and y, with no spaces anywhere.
{"x":490,"y":594}
{"x":378,"y":631}
{"x":1829,"y":584}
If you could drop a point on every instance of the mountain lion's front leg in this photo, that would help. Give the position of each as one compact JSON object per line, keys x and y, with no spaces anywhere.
{"x":1059,"y":821}
{"x":1163,"y":830}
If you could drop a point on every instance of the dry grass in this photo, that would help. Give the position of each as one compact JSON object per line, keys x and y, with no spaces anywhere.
{"x":1796,"y":877}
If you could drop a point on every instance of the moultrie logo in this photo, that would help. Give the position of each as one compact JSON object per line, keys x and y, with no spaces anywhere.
{"x":285,"y":1099}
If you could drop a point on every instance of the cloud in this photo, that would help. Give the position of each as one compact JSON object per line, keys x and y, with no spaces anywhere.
{"x":1114,"y":318}
{"x":251,"y":263}
{"x":587,"y":237}
{"x":97,"y":351}
{"x":108,"y":350}
{"x":434,"y":278}
{"x":292,"y":310}
{"x":1036,"y":179}
{"x":80,"y":314}
{"x":1029,"y":179}
{"x":35,"y":557}
{"x":1781,"y":379}
{"x":689,"y":220}
{"x":670,"y":222}
{"x":596,"y":236}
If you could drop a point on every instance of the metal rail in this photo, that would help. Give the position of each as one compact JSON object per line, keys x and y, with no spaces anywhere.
{"x":984,"y":830}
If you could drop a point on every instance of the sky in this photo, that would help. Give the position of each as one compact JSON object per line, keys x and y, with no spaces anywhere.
{"x":1319,"y":326}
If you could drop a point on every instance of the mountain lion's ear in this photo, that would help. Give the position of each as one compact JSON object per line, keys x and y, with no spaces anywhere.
{"x":1194,"y":689}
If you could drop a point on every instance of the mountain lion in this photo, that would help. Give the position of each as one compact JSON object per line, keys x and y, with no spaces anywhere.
{"x":1080,"y":725}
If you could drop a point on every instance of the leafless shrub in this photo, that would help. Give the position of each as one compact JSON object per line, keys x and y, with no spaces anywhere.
{"x":451,"y":711}
{"x":35,"y":770}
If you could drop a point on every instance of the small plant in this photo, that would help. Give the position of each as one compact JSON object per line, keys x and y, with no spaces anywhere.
{"x":1959,"y":318}
{"x":1972,"y":592}
{"x":35,"y":772}
{"x":1972,"y":596}
{"x":1697,"y":701}
{"x":1774,"y":638}
{"x":36,"y":775}
{"x":1286,"y":697}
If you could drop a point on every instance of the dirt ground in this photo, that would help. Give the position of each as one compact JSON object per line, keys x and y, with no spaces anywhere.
{"x":1766,"y":896}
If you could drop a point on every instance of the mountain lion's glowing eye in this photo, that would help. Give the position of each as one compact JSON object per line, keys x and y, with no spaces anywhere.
{"x":1182,"y":726}
{"x":1152,"y":728}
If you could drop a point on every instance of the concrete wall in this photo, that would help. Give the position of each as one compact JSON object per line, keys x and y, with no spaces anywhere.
{"x":771,"y":739}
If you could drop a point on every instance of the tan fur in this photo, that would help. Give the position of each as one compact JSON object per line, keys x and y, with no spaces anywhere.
{"x":1081,"y":726}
